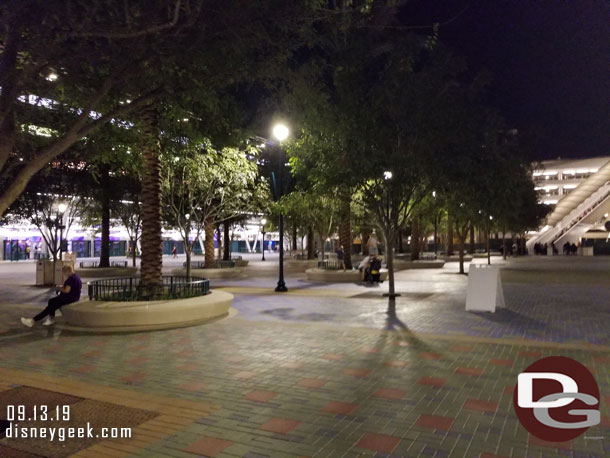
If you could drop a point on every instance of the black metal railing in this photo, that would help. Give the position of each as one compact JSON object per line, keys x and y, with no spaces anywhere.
{"x":195,"y":264}
{"x":130,"y":289}
{"x":329,"y":265}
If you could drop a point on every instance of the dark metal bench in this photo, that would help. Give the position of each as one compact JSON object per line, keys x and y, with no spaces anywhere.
{"x":118,"y":263}
{"x":236,"y":258}
{"x":195,"y":264}
{"x":88,"y":264}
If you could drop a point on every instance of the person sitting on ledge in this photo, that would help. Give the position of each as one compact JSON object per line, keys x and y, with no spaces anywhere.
{"x":68,"y":294}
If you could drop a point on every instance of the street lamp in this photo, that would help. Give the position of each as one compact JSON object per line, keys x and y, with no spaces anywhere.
{"x":280,"y":132}
{"x":435,"y":225}
{"x":263,"y":222}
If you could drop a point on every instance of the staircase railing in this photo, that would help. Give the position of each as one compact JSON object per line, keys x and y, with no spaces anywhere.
{"x":576,"y":215}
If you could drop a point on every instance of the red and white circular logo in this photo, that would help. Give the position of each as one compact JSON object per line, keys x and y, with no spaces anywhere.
{"x":557,"y":399}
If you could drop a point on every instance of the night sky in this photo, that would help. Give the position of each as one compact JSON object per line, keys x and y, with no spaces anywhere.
{"x":549,"y":61}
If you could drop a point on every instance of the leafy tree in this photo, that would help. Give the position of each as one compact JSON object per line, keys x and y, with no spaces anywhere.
{"x":203,"y":187}
{"x":58,"y":185}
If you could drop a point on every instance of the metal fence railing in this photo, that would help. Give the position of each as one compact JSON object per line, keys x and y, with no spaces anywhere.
{"x":130,"y":289}
{"x":328,"y":265}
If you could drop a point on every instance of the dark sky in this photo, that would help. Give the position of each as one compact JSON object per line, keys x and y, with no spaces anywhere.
{"x":550,"y":65}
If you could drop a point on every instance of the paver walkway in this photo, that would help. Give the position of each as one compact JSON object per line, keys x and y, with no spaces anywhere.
{"x":321,"y":371}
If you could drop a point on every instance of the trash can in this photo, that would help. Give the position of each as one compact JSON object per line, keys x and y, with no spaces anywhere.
{"x":59,"y":278}
{"x":44,"y":272}
{"x":40,"y":273}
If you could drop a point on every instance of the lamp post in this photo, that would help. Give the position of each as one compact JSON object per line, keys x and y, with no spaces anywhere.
{"x":280,"y":132}
{"x":263,"y":222}
{"x":435,"y":224}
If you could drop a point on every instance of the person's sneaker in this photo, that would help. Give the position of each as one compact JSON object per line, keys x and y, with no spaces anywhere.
{"x":48,"y":321}
{"x":29,"y":322}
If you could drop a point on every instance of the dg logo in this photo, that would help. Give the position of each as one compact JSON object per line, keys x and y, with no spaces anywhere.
{"x":557,"y":399}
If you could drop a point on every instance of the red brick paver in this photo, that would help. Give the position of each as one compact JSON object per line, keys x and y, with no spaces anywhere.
{"x":208,"y":446}
{"x":279,"y":425}
{"x":378,"y":442}
{"x":337,"y":407}
{"x":435,"y":422}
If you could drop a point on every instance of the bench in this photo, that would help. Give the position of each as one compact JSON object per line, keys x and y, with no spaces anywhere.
{"x":236,"y":258}
{"x":88,"y":264}
{"x":118,"y":264}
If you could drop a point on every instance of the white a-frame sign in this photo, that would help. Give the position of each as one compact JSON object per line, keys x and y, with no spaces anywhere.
{"x":484,"y":288}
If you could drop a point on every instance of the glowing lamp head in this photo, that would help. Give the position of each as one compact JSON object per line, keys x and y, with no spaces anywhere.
{"x":52,"y":76}
{"x":263,"y":221}
{"x":387,"y":175}
{"x":280,"y":131}
{"x":62,"y":207}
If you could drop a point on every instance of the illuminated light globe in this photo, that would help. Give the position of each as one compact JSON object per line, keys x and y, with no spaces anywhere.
{"x":62,"y":208}
{"x":263,"y":221}
{"x":387,"y":175}
{"x":280,"y":131}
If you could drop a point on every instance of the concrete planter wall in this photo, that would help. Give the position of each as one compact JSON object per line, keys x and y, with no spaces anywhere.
{"x":338,"y":276}
{"x":100,"y":316}
{"x":404,"y":265}
{"x":232,"y":272}
{"x":103,"y":272}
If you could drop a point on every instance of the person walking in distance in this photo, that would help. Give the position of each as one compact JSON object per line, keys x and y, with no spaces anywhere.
{"x":68,"y":294}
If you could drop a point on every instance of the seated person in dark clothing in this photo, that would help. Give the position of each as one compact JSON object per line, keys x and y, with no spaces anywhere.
{"x":68,"y":294}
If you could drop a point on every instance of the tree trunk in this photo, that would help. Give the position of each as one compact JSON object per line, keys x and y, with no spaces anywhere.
{"x":471,"y":251}
{"x":449,"y":234}
{"x":134,"y":253}
{"x":345,"y":231}
{"x":401,"y":248}
{"x":415,"y":239}
{"x":462,"y":241}
{"x":209,"y":244}
{"x":105,"y":243}
{"x":226,"y":255}
{"x":310,"y":243}
{"x":366,"y":234}
{"x":219,"y":242}
{"x":504,"y":245}
{"x":294,"y":239}
{"x":323,"y":240}
{"x":152,"y":243}
{"x":187,"y":251}
{"x":389,"y":254}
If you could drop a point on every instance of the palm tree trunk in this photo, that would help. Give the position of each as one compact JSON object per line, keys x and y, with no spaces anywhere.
{"x":209,"y":244}
{"x":152,"y":244}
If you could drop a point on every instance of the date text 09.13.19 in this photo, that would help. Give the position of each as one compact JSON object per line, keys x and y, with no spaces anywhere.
{"x":38,"y":413}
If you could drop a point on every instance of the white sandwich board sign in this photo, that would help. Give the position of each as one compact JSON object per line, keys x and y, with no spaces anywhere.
{"x":484,"y":288}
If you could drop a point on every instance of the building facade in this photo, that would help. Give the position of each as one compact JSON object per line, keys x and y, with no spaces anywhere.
{"x":579,"y":193}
